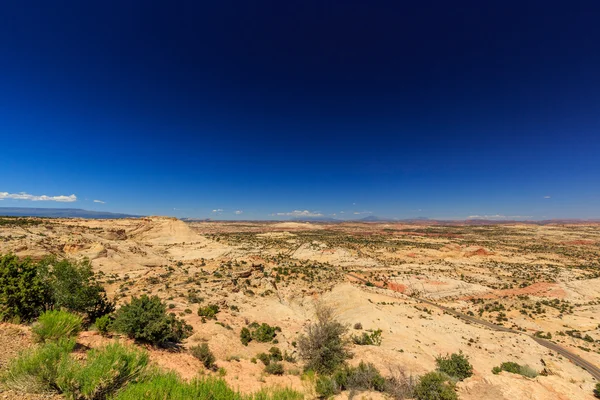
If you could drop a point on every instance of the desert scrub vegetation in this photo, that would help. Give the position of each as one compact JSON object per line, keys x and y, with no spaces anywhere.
{"x":51,"y":368}
{"x":208,"y":312}
{"x":455,"y":365}
{"x":262,"y":333}
{"x":597,"y":390}
{"x":145,"y":319}
{"x":435,"y":386}
{"x":323,"y":346}
{"x":103,"y":373}
{"x":363,"y":377}
{"x":54,"y":325}
{"x":368,"y":338}
{"x":514,"y":368}
{"x":104,"y":324}
{"x":36,"y":370}
{"x":170,"y":386}
{"x":24,"y":292}
{"x":202,"y":352}
{"x":27,"y":289}
{"x":114,"y":372}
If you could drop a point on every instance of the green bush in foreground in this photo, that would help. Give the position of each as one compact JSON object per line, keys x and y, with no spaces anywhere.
{"x":105,"y":371}
{"x":435,"y":386}
{"x":145,"y":319}
{"x":27,"y":289}
{"x":597,"y":390}
{"x":24,"y":293}
{"x":55,"y":325}
{"x":74,"y":288}
{"x":515,"y":368}
{"x":36,"y":370}
{"x":455,"y":365}
{"x":115,"y":372}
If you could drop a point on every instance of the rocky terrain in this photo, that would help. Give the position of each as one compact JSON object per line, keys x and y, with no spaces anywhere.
{"x":536,"y":279}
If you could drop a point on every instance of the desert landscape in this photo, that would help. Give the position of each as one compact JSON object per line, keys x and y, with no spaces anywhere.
{"x":409,"y":287}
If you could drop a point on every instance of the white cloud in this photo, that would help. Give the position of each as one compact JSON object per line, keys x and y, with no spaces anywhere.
{"x":238,"y":212}
{"x":99,"y":201}
{"x":217,"y":210}
{"x":499,"y":217}
{"x":31,"y":197}
{"x":362,"y":212}
{"x":547,"y":197}
{"x":298,"y":213}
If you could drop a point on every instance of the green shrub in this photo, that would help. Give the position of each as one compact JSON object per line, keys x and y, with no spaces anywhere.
{"x":275,"y":354}
{"x":264,"y":333}
{"x":202,"y":352}
{"x":515,"y":368}
{"x":36,"y":370}
{"x":264,"y":357}
{"x":245,"y":336}
{"x":209,"y":312}
{"x":597,"y":390}
{"x":103,"y":324}
{"x":145,"y":319}
{"x":55,"y":325}
{"x":24,"y":293}
{"x":326,"y":387}
{"x":435,"y":386}
{"x":274,"y":368}
{"x":455,"y":365}
{"x":105,"y":371}
{"x":368,"y":339}
{"x":74,"y":288}
{"x":323,"y":347}
{"x":363,"y":377}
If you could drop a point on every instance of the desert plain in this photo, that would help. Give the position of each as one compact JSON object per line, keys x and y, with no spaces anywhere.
{"x":537,"y":280}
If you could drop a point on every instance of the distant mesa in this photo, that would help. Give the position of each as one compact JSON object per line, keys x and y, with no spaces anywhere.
{"x":61,"y":213}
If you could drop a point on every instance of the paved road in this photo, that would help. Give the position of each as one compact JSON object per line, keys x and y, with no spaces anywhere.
{"x":574,"y":358}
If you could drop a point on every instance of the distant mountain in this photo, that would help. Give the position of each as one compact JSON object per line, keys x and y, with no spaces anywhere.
{"x":60,"y":213}
{"x":315,"y":219}
{"x":373,"y":218}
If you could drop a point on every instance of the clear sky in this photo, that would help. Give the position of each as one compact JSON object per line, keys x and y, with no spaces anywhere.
{"x":262,"y":110}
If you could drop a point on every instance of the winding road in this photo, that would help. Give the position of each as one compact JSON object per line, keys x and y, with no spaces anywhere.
{"x":574,"y":358}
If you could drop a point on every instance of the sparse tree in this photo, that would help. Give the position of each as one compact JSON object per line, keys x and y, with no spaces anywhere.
{"x":323,"y":346}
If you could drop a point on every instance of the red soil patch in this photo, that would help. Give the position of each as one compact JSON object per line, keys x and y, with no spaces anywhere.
{"x":479,"y":252}
{"x":396,"y":287}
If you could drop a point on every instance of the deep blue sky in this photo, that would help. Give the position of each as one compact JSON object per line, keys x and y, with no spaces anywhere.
{"x":399,"y":109}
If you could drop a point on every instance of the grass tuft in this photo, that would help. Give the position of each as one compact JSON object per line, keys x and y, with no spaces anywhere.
{"x":55,"y":325}
{"x":36,"y":370}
